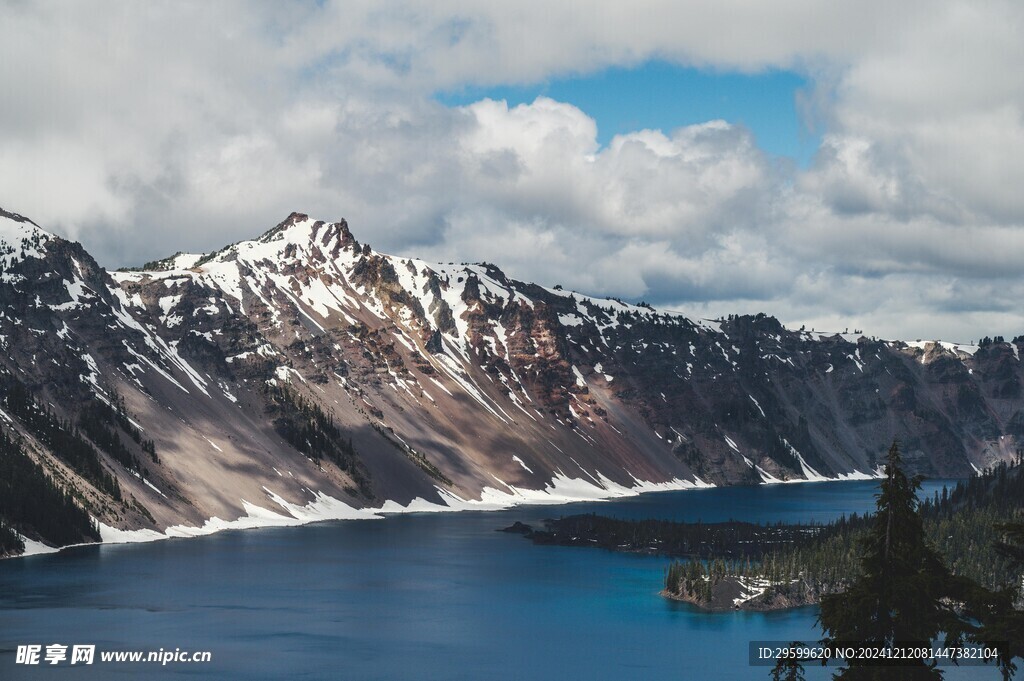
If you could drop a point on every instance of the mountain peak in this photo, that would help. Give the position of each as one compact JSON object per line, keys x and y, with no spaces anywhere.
{"x":293,"y":220}
{"x":20,"y":237}
{"x":301,"y":362}
{"x":16,"y":217}
{"x":300,"y":228}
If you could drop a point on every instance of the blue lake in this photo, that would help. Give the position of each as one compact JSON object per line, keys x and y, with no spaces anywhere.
{"x":426,"y":596}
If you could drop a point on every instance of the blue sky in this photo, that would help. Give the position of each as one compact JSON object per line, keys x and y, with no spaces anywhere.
{"x":666,"y":96}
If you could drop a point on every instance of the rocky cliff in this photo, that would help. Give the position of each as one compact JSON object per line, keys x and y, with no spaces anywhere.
{"x":303,"y":373}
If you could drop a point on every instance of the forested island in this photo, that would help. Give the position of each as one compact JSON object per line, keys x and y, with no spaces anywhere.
{"x":740,"y":565}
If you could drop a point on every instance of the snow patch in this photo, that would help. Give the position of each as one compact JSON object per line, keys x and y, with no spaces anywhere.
{"x":520,"y":462}
{"x":35,"y":548}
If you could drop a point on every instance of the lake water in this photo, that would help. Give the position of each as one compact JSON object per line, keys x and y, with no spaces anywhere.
{"x":427,"y":596}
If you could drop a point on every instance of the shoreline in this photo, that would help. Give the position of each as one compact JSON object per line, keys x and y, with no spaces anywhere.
{"x":561,"y":490}
{"x":758,"y":599}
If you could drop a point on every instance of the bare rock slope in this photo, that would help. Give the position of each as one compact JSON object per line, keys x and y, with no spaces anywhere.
{"x":304,"y":373}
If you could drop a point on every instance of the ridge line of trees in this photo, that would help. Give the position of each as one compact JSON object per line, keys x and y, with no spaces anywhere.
{"x":906,"y":595}
{"x":305,"y":426}
{"x":33,"y":504}
{"x":60,"y":436}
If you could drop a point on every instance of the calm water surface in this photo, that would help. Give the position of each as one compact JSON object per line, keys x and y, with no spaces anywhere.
{"x":428,"y":596}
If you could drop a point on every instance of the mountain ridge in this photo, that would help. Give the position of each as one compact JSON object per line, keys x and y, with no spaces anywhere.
{"x":303,"y":366}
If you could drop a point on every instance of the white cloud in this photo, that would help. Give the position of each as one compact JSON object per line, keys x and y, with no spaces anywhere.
{"x":147,"y":128}
{"x":643,"y":183}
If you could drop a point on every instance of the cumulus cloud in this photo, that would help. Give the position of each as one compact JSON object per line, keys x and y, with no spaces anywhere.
{"x":141,"y":129}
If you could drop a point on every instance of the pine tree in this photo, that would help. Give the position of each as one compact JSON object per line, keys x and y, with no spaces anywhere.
{"x":1012,"y":545}
{"x":788,"y":668}
{"x":1002,"y":622}
{"x":904,"y":594}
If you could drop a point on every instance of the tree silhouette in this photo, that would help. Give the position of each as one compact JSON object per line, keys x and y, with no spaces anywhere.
{"x":904,"y":594}
{"x":1003,"y":624}
{"x":788,"y":668}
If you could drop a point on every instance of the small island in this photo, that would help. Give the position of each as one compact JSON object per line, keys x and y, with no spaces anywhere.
{"x":737,"y":565}
{"x":717,"y":591}
{"x":722,"y":569}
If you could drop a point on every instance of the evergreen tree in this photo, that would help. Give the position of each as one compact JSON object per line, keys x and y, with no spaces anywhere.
{"x":788,"y":669}
{"x":1003,"y":623}
{"x":904,"y":594}
{"x":1011,"y":546}
{"x":32,"y":503}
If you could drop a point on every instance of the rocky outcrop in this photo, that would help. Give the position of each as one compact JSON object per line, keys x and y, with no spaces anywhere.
{"x":455,"y":381}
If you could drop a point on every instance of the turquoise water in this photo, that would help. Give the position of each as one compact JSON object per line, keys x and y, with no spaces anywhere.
{"x":428,"y":596}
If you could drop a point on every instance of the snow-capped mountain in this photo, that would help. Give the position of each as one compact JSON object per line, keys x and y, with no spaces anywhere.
{"x":303,"y":374}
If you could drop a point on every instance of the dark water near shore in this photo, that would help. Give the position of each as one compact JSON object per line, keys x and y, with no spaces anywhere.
{"x":429,"y":596}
